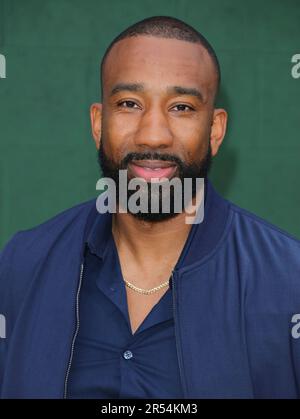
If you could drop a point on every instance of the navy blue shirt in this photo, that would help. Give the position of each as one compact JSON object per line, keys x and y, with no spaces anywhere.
{"x":109,"y":361}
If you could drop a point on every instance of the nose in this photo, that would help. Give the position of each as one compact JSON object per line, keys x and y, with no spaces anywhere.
{"x":153,"y":130}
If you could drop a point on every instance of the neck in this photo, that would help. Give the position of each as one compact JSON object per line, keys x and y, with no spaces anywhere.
{"x":151,"y":246}
{"x":150,"y":242}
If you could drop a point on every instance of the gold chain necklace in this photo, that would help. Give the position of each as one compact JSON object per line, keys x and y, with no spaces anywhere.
{"x":143,"y":291}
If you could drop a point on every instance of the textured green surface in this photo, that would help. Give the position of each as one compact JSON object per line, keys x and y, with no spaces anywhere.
{"x":53,"y":50}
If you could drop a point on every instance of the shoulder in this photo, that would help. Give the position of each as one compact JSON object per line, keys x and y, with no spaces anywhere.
{"x":262,"y":242}
{"x":70,"y":219}
{"x":270,"y":259}
{"x":27,"y":247}
{"x":251,"y":227}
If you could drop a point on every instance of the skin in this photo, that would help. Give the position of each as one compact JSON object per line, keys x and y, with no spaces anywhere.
{"x":155,"y":122}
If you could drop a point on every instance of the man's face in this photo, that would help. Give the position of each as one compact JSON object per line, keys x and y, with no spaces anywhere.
{"x":157,"y":114}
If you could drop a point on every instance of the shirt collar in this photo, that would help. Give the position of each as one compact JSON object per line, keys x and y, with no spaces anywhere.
{"x":100,"y":234}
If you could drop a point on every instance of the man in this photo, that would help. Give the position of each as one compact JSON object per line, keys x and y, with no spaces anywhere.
{"x":146,"y":305}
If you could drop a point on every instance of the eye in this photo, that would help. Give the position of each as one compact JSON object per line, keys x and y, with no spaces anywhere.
{"x":130,"y":104}
{"x":181,"y":106}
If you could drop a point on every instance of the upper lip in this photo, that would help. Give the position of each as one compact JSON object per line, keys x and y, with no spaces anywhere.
{"x":153,"y":164}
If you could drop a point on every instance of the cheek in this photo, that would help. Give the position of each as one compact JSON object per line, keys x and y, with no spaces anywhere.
{"x":120,"y":122}
{"x":116,"y":137}
{"x":193,"y":143}
{"x":192,"y":129}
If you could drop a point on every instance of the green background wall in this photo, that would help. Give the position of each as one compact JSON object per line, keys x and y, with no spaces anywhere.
{"x":53,"y":50}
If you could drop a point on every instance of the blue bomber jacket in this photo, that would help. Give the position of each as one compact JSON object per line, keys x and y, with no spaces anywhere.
{"x":236,"y":302}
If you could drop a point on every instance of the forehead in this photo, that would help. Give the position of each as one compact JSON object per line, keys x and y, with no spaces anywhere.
{"x":159,"y":62}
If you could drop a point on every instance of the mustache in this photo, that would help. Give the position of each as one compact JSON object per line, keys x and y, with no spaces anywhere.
{"x":150,"y":156}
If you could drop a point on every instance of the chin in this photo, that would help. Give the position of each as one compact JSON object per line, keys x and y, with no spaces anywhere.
{"x":154,"y":217}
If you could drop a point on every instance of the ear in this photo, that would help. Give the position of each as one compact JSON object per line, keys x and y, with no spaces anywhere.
{"x":95,"y":115}
{"x":218,"y":129}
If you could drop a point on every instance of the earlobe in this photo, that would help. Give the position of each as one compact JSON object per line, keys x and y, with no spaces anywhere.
{"x":95,"y":115}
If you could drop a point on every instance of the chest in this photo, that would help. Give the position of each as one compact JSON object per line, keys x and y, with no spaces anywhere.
{"x":140,"y":305}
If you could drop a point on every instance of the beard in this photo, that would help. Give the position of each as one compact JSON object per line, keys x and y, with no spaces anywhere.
{"x":193,"y":171}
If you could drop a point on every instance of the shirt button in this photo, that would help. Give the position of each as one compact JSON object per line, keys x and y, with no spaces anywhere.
{"x":127,"y":354}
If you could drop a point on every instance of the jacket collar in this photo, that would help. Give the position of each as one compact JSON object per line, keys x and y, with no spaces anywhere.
{"x":202,"y":239}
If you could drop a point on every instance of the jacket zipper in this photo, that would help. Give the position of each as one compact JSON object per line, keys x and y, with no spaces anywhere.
{"x":75,"y":333}
{"x":178,"y":346}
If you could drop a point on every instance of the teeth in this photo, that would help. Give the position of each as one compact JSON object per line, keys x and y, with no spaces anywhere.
{"x":149,"y":168}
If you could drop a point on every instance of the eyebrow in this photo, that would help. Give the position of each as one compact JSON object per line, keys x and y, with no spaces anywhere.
{"x":139,"y":87}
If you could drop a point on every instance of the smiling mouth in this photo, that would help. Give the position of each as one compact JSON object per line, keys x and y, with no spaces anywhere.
{"x":152,"y":169}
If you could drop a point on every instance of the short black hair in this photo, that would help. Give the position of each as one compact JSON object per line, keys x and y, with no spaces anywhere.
{"x":166,"y":27}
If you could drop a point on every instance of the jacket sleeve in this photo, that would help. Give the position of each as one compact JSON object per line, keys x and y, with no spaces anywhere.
{"x":295,"y":347}
{"x":6,"y":301}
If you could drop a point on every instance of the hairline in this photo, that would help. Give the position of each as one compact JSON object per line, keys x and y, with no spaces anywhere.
{"x":190,"y":35}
